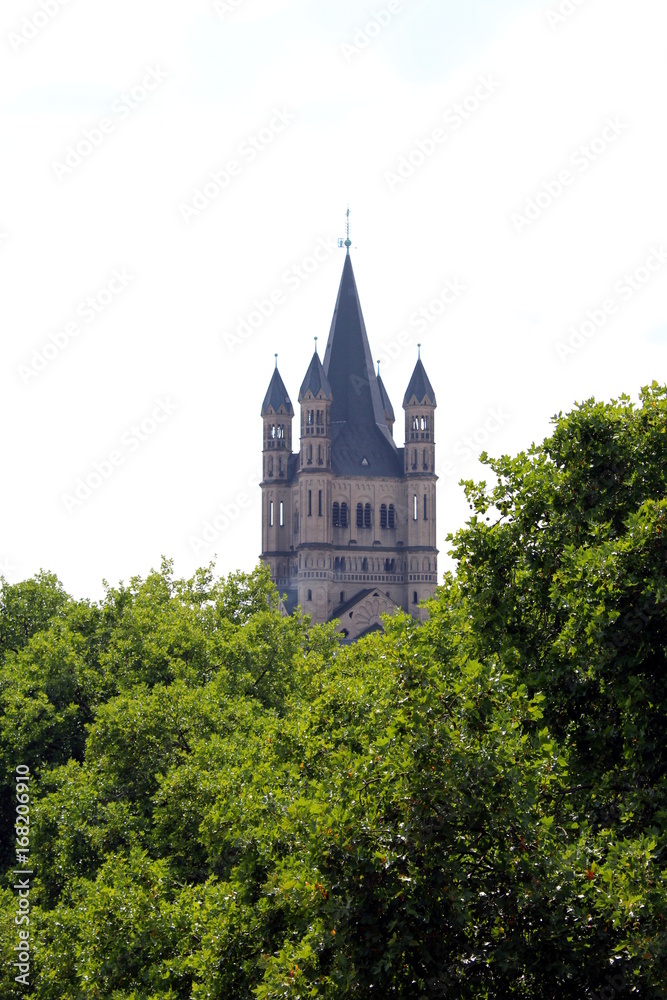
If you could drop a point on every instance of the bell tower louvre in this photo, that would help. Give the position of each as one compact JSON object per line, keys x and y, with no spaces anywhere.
{"x":349,"y":520}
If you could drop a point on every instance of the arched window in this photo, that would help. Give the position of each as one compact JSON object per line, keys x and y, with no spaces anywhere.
{"x":343,"y":515}
{"x":309,"y":595}
{"x":415,"y":423}
{"x":272,"y":431}
{"x":342,"y":564}
{"x":282,"y":514}
{"x":269,"y":465}
{"x":425,"y":459}
{"x":320,"y":417}
{"x":424,"y":423}
{"x":336,"y":515}
{"x":383,"y":515}
{"x":425,"y":508}
{"x":367,"y":516}
{"x":309,"y":455}
{"x":392,"y":516}
{"x":360,"y":515}
{"x":281,"y":432}
{"x":271,"y":513}
{"x":342,"y":597}
{"x":415,"y":508}
{"x":414,"y":458}
{"x":310,"y":417}
{"x":415,"y":597}
{"x":364,"y":565}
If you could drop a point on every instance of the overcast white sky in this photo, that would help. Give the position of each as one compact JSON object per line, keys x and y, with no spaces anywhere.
{"x":113,"y":114}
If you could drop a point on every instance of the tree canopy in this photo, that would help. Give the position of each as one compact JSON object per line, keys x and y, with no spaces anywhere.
{"x":228,"y":803}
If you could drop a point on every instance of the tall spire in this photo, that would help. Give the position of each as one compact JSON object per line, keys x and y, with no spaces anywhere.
{"x":359,"y":423}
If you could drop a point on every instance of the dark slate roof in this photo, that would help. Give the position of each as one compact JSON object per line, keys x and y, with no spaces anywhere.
{"x":291,"y":600}
{"x":276,"y":396}
{"x":419,"y":389}
{"x":292,"y":467}
{"x":342,"y":609}
{"x":315,"y":380}
{"x":386,"y":402}
{"x":358,"y":423}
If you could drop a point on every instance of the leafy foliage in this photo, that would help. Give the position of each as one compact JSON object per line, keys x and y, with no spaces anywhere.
{"x":226,"y":803}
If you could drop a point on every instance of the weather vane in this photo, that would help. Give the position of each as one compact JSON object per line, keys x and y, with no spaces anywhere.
{"x":346,"y":242}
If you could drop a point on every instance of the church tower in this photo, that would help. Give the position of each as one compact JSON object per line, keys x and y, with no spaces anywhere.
{"x":277,"y":414}
{"x":348,"y":522}
{"x":419,"y":466}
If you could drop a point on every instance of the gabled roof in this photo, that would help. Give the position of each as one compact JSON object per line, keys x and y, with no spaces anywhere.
{"x":420,"y":389}
{"x":276,"y":397}
{"x":386,"y":402}
{"x":358,"y":421}
{"x":315,"y":380}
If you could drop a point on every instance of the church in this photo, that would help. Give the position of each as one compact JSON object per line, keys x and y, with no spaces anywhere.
{"x":348,"y":519}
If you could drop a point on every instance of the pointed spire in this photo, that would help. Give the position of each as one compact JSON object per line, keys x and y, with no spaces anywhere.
{"x":358,"y":421}
{"x":348,"y":361}
{"x":315,"y":380}
{"x":276,"y":396}
{"x":419,"y":389}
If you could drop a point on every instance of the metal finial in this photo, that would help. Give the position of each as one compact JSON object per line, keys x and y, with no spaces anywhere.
{"x":419,"y":351}
{"x":276,"y":357}
{"x":315,"y":345}
{"x":346,"y":242}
